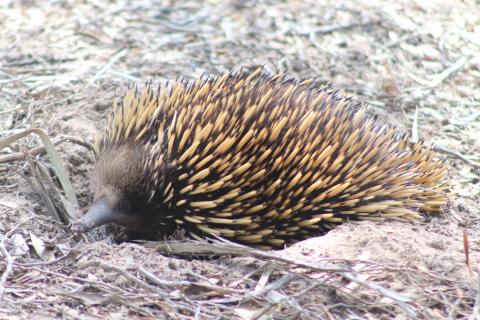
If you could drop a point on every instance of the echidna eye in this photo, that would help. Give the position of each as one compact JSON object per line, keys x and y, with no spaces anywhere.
{"x":124,"y":206}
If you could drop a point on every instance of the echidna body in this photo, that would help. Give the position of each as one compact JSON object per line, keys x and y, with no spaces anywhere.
{"x":255,"y":158}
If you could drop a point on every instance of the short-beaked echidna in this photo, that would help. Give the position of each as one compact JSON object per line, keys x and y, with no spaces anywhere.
{"x":256,"y":158}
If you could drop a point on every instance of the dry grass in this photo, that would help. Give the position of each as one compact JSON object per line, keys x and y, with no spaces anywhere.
{"x":416,"y":63}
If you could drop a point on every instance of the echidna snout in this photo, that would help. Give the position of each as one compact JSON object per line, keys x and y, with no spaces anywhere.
{"x":100,"y":213}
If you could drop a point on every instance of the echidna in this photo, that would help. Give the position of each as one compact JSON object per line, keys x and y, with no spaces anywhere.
{"x":256,"y":158}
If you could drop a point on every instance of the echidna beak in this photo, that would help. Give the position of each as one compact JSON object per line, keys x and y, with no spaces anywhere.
{"x":99,"y":214}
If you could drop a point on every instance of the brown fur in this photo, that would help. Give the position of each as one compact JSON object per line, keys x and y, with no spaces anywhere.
{"x":117,"y":169}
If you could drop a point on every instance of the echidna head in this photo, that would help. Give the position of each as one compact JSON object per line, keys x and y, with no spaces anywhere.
{"x":119,"y":185}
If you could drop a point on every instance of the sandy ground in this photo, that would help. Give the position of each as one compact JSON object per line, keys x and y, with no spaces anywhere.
{"x":62,"y":63}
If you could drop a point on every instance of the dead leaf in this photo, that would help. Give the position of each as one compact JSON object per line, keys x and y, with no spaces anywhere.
{"x":245,"y":313}
{"x":40,"y":248}
{"x":20,"y":246}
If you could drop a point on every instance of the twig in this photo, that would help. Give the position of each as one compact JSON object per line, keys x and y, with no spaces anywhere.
{"x":166,"y":297}
{"x":457,"y":155}
{"x":125,"y":274}
{"x":39,"y":185}
{"x":20,"y":156}
{"x":283,"y":282}
{"x":8,"y":269}
{"x":230,"y":248}
{"x":401,"y":39}
{"x":160,"y":282}
{"x":415,"y":126}
{"x":8,"y":257}
{"x":71,"y":278}
{"x":326,"y":311}
{"x":109,"y":64}
{"x":445,"y":74}
{"x":276,"y":285}
{"x":476,"y":308}
{"x":15,"y":227}
{"x":325,"y":29}
{"x":466,"y":249}
{"x":173,"y":284}
{"x":399,"y":299}
{"x":42,"y":263}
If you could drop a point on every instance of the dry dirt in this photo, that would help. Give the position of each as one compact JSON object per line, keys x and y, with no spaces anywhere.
{"x":62,"y":63}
